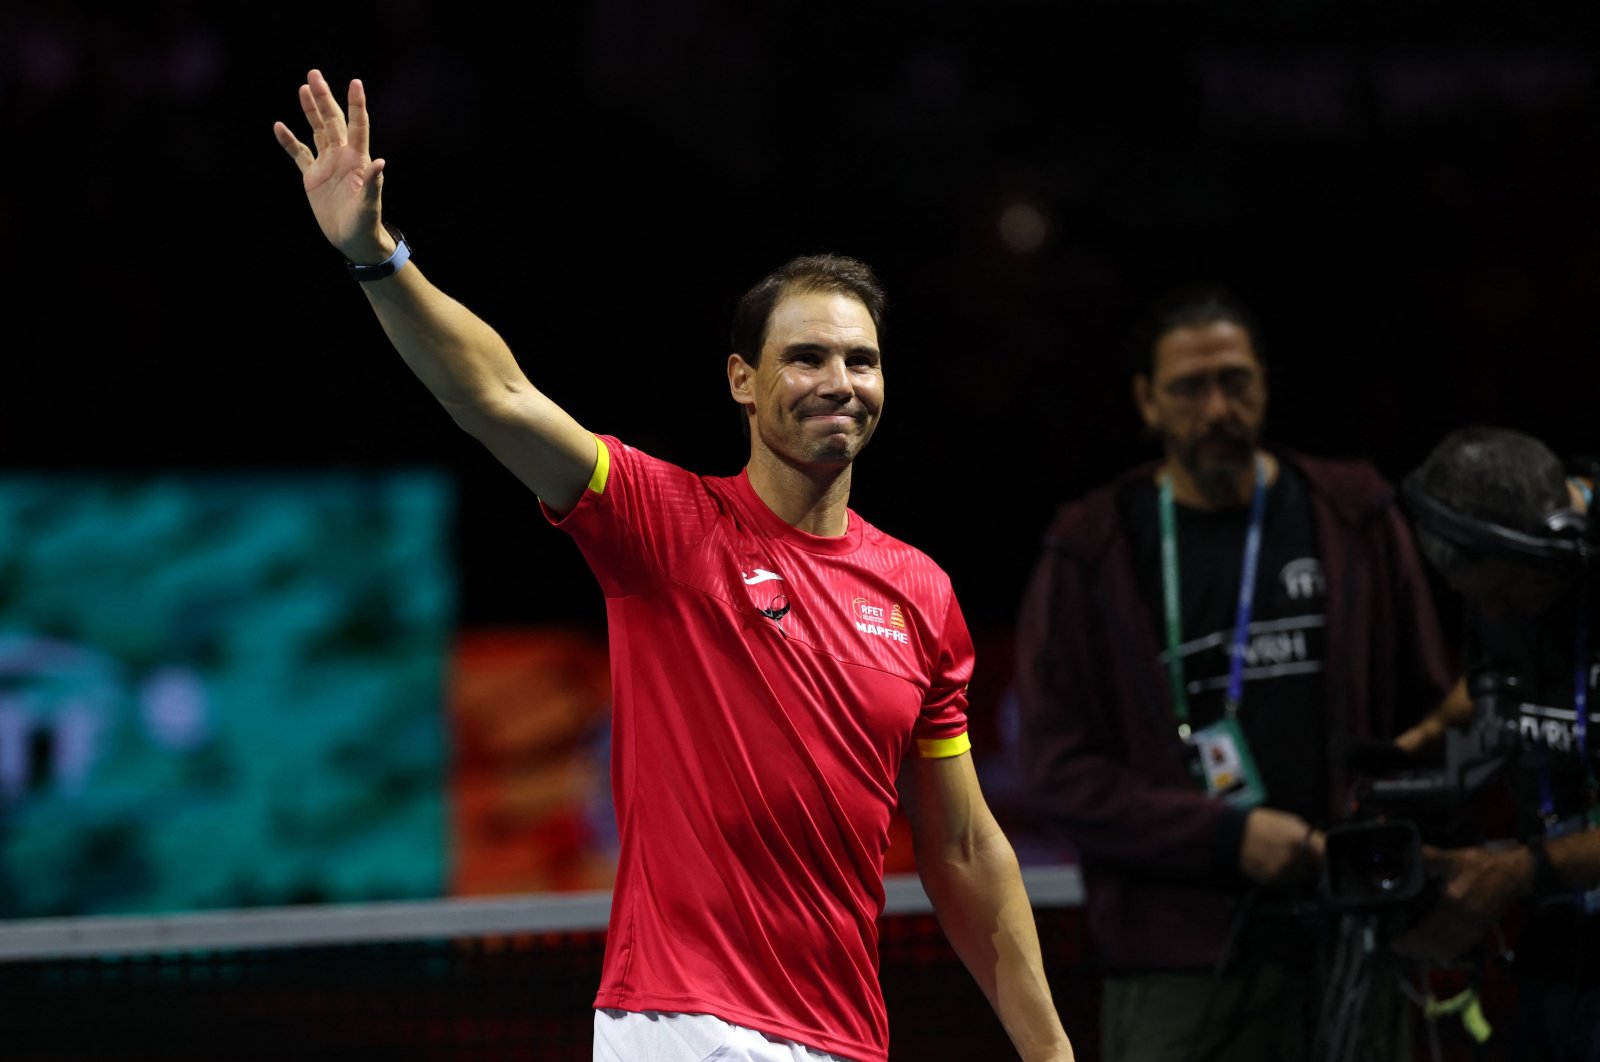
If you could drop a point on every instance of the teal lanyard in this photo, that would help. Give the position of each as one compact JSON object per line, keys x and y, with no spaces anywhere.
{"x":1174,"y":610}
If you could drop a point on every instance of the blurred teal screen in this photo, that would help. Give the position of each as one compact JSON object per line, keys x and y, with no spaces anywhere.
{"x":222,"y":691}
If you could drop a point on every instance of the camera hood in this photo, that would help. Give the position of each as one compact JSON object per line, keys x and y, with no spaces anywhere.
{"x":1563,"y":546}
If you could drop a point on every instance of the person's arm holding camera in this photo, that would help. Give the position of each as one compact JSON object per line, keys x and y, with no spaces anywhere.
{"x":1455,"y":711}
{"x":1481,"y":884}
{"x":1574,"y":860}
{"x":1278,"y":846}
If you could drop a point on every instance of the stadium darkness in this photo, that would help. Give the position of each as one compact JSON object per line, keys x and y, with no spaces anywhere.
{"x":1407,"y":195}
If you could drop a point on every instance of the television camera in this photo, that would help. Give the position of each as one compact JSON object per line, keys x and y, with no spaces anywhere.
{"x":1375,"y":880}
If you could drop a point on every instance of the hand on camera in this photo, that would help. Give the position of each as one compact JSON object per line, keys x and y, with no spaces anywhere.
{"x":1278,"y":847}
{"x":1479,"y":884}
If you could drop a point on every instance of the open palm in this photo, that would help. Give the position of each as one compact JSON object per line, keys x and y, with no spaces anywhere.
{"x":343,"y":184}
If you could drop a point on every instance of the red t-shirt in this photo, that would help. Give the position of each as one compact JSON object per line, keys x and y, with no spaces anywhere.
{"x":767,"y":685}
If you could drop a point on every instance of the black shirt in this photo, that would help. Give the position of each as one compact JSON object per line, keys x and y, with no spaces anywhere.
{"x":1529,"y":663}
{"x":1281,"y":710}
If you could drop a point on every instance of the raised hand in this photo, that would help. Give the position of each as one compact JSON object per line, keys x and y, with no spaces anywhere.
{"x":343,"y":183}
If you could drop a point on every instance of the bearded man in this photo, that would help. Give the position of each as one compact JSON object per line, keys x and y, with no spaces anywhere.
{"x":1201,"y":641}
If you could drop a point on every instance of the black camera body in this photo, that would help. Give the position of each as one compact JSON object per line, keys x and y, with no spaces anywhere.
{"x":1373,"y":859}
{"x":1372,"y":864}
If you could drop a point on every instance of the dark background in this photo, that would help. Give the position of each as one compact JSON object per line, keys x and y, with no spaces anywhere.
{"x":1406,"y":192}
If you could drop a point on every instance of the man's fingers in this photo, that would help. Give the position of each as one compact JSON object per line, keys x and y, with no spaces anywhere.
{"x":327,"y":109}
{"x":1440,"y":861}
{"x":369,"y":183}
{"x":360,"y":130}
{"x":308,"y":107}
{"x":372,"y":189}
{"x":299,"y":152}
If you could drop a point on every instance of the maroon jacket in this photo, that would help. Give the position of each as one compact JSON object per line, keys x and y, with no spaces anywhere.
{"x":1099,"y":751}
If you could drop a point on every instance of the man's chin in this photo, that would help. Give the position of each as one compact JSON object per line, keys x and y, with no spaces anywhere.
{"x":839,"y":449}
{"x":835,"y":456}
{"x":819,"y":455}
{"x":1219,"y":479}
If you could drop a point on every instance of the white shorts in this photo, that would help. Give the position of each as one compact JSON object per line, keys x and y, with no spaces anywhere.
{"x":664,"y":1036}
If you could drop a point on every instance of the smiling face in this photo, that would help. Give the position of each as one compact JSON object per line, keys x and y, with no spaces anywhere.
{"x":1205,"y":400}
{"x":815,"y":397}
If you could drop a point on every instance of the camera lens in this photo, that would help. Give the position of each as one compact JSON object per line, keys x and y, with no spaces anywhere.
{"x":1384,"y":870}
{"x":1372,"y":863}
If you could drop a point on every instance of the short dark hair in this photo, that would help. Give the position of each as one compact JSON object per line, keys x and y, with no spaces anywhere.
{"x":1189,"y":305}
{"x":828,"y":273}
{"x":1494,"y":474}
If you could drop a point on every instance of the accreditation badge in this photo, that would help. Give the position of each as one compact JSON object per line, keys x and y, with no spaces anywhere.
{"x":1224,"y":763}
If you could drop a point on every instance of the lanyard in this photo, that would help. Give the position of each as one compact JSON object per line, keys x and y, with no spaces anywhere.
{"x":1580,"y":688}
{"x":1580,"y":680}
{"x":1580,"y":721}
{"x":1247,"y":594}
{"x":1580,"y":696}
{"x":1580,"y":693}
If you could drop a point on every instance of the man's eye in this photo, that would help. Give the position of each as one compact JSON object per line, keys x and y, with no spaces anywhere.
{"x":1236,"y":382}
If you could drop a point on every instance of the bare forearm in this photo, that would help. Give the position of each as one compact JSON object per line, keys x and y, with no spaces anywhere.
{"x":1455,"y":710}
{"x":985,"y":912}
{"x":456,"y":355}
{"x":1576,"y":859}
{"x":471,"y":371}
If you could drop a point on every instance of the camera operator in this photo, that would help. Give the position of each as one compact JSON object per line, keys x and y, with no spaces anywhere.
{"x":1503,"y":522}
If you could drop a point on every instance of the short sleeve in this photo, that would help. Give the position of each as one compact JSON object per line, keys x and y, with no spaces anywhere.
{"x":635,"y":517}
{"x":942,"y":726}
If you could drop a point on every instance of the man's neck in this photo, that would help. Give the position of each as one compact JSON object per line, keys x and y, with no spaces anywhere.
{"x":1186,"y":489}
{"x":814,"y":500}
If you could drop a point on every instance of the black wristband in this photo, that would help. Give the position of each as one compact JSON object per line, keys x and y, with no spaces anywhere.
{"x":389,"y":266}
{"x":1545,"y":881}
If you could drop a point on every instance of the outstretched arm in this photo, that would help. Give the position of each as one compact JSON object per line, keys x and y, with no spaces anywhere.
{"x":461,"y":360}
{"x":970,"y":873}
{"x":1480,"y":884}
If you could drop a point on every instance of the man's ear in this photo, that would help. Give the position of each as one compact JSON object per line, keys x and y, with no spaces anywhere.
{"x":741,"y":380}
{"x":1144,"y":400}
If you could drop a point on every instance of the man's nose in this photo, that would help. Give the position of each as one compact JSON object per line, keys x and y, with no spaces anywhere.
{"x":1214,"y":402}
{"x":834,"y":379}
